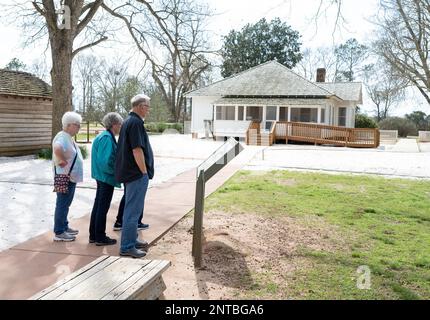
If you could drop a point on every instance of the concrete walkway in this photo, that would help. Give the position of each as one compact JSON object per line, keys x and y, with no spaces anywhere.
{"x":33,"y":265}
{"x":406,"y":145}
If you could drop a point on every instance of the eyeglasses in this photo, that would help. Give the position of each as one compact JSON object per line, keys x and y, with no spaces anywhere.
{"x":77,"y":124}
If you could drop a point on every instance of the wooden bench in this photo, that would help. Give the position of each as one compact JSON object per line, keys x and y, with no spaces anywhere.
{"x":110,"y":278}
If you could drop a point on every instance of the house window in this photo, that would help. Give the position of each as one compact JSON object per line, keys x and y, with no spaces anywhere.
{"x":240,"y":113}
{"x":283,"y":114}
{"x":271,"y":113}
{"x":304,"y":115}
{"x":225,"y":112}
{"x":342,"y":117}
{"x":254,"y":113}
{"x":322,"y":115}
{"x":189,"y":105}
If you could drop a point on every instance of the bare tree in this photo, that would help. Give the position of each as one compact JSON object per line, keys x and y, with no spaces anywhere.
{"x":87,"y":69}
{"x":110,"y":79}
{"x":71,"y":27}
{"x":404,"y":35}
{"x":349,"y":59}
{"x":40,"y":69}
{"x":63,"y":21}
{"x":322,"y":10}
{"x":385,"y":88}
{"x":322,"y":57}
{"x":170,"y":35}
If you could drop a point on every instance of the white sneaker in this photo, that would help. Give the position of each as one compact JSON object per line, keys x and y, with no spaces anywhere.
{"x":64,"y":237}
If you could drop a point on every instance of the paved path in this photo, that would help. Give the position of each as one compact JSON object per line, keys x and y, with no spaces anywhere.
{"x":37,"y":263}
{"x":406,"y":145}
{"x":406,"y":160}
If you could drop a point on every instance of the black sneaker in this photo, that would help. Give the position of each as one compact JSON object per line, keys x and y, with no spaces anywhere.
{"x":92,"y":241}
{"x":106,"y":242}
{"x":142,"y":226}
{"x":117,"y":226}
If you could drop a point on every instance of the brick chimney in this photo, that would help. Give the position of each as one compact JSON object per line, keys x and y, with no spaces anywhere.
{"x":321,"y":74}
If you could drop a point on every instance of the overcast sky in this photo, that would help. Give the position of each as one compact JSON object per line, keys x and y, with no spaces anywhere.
{"x":234,"y":14}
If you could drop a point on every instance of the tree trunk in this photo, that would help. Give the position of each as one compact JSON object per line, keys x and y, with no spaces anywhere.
{"x":61,"y":50}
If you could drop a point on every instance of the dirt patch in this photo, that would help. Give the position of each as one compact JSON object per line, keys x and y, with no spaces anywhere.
{"x":242,"y":252}
{"x":286,"y":182}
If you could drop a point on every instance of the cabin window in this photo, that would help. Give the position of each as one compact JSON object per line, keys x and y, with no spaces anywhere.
{"x":283,"y":114}
{"x":240,"y":113}
{"x":342,"y":117}
{"x":254,"y":113}
{"x":271,"y":113}
{"x":304,"y":115}
{"x":225,"y":113}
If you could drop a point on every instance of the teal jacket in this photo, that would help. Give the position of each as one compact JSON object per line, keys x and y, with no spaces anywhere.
{"x":103,"y":155}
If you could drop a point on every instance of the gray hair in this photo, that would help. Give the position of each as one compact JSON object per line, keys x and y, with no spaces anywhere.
{"x":111,"y":119}
{"x":138,"y":99}
{"x":70,"y":117}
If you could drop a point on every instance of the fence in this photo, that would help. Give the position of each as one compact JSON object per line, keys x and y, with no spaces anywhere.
{"x":424,"y":136}
{"x":389,"y":136}
{"x":323,"y":134}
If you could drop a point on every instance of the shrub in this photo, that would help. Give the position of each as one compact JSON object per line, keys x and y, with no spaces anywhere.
{"x":363,"y":121}
{"x":84,"y":151}
{"x":178,"y":127}
{"x":45,"y":154}
{"x":151,"y":127}
{"x":161,"y":127}
{"x":404,"y":126}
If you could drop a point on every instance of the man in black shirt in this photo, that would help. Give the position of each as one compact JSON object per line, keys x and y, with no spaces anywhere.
{"x":134,"y":167}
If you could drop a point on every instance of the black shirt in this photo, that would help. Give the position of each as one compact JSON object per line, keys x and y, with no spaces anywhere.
{"x":132,"y":135}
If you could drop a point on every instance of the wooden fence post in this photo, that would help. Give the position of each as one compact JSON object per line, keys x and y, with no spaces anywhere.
{"x":198,"y":220}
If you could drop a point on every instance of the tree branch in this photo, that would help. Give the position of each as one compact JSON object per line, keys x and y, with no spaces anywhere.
{"x":88,"y":46}
{"x":94,"y":6}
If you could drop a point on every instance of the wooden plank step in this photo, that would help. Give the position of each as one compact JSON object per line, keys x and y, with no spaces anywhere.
{"x":110,"y":278}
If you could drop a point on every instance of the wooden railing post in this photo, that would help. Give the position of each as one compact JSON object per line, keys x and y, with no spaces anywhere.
{"x":198,"y":220}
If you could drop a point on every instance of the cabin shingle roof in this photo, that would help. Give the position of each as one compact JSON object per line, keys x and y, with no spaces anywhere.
{"x":23,"y":84}
{"x":348,"y":91}
{"x":268,"y":79}
{"x":272,"y":79}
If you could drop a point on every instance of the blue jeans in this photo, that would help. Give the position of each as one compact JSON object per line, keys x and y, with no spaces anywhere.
{"x":134,"y":205}
{"x":121,"y":210}
{"x":64,"y":200}
{"x":100,"y":209}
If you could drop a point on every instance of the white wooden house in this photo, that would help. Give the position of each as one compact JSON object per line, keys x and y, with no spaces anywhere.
{"x":271,"y":93}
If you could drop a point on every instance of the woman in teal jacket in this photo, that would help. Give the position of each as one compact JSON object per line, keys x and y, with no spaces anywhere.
{"x":103,"y":154}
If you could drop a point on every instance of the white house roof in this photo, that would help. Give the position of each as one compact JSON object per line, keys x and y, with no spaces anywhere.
{"x":268,"y":79}
{"x":348,"y":91}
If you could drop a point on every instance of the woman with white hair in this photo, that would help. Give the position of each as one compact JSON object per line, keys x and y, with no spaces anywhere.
{"x":103,"y":155}
{"x":68,"y":162}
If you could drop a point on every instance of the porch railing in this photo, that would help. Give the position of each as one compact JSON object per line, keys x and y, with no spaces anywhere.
{"x":254,"y":127}
{"x":323,"y":134}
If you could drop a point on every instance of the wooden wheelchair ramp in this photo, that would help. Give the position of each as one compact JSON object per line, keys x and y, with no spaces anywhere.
{"x":315,"y":133}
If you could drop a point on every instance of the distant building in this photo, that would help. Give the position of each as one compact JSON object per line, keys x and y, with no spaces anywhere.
{"x":25,"y":113}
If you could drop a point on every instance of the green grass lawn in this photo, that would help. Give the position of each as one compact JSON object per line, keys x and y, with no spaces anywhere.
{"x":83,"y":136}
{"x":383,"y":224}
